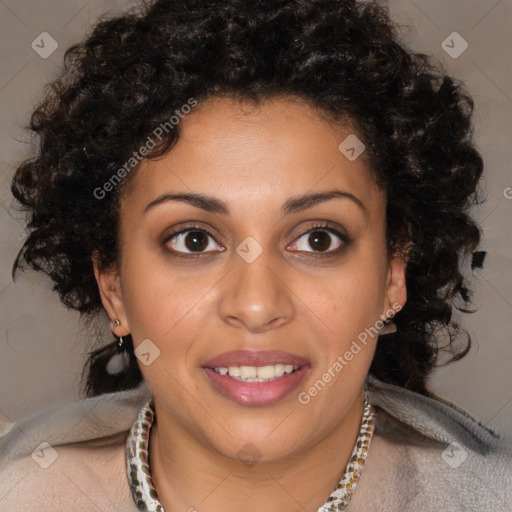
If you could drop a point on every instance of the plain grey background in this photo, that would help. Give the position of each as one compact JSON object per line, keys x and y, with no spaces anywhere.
{"x":42,"y":345}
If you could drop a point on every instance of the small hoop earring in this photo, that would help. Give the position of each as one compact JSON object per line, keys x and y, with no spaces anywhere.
{"x":116,"y":323}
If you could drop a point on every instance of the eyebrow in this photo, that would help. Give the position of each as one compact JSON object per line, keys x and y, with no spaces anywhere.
{"x":292,"y":205}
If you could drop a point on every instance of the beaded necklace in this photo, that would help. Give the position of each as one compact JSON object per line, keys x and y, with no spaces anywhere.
{"x":146,"y":497}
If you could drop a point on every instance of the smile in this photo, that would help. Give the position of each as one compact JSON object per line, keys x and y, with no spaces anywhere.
{"x":242,"y":384}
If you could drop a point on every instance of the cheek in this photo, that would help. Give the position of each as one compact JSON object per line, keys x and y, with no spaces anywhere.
{"x":168,"y":310}
{"x":348,"y":300}
{"x":349,"y":305}
{"x":159,"y":303}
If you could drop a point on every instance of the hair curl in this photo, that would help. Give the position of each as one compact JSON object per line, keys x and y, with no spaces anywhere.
{"x":344,"y":57}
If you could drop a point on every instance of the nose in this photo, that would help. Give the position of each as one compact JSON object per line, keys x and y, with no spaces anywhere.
{"x":255,"y":295}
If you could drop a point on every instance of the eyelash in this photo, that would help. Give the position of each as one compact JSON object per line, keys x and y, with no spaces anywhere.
{"x":319,"y":227}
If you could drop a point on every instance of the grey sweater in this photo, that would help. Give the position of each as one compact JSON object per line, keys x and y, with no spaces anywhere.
{"x":426,"y":455}
{"x":436,"y":457}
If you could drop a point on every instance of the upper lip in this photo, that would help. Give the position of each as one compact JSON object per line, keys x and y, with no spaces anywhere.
{"x":254,"y":358}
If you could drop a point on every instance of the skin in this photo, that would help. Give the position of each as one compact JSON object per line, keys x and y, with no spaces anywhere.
{"x":254,"y":158}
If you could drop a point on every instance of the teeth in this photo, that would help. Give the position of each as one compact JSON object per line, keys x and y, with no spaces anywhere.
{"x":234,"y":371}
{"x":271,"y":371}
{"x":248,"y":371}
{"x":257,"y":373}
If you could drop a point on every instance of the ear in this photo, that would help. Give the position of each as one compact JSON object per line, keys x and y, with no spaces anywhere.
{"x":396,"y":290}
{"x":109,"y":286}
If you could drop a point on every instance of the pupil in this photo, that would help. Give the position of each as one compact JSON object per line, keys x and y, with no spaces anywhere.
{"x":320,"y":238}
{"x":196,"y":244}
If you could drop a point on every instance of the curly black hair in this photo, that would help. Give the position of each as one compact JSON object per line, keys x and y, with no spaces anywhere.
{"x":135,"y":71}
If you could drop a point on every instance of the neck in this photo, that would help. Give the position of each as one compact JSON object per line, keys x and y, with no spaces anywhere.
{"x":189,"y":476}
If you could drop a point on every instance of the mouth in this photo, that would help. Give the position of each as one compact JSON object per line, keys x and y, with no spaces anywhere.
{"x":255,"y":377}
{"x":256,"y":386}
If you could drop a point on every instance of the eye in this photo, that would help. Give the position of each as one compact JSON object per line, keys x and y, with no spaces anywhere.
{"x":321,"y":239}
{"x":189,"y":241}
{"x":193,"y":241}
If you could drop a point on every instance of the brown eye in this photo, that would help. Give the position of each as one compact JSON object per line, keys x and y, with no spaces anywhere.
{"x":321,"y":240}
{"x":190,"y":241}
{"x":196,"y":241}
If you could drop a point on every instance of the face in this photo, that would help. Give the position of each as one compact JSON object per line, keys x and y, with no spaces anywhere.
{"x":254,"y":268}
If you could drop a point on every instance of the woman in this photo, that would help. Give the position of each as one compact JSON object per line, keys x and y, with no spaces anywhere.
{"x":270,"y":202}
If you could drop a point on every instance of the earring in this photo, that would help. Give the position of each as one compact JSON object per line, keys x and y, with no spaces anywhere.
{"x":389,"y":327}
{"x":120,"y":346}
{"x":120,"y":361}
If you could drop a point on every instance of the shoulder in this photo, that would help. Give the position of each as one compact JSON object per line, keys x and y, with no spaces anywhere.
{"x":80,"y":477}
{"x":428,"y":454}
{"x":70,"y":456}
{"x":435,"y":420}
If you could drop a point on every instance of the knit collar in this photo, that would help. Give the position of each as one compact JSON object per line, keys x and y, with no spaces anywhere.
{"x":146,"y":497}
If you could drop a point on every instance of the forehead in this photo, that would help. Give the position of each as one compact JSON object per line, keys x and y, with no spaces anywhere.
{"x":250,"y":155}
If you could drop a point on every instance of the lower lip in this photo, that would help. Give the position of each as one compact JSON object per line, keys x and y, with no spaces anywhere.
{"x":256,"y":393}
